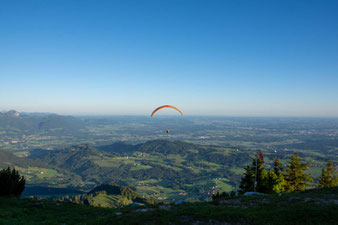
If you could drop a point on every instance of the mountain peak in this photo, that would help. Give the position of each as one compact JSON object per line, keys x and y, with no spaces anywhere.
{"x":12,"y":113}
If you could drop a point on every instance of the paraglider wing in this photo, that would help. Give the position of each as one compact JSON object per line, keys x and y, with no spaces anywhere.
{"x":165,"y":106}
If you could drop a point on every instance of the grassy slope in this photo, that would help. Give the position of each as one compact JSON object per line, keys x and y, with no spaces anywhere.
{"x":107,"y":201}
{"x":312,"y":207}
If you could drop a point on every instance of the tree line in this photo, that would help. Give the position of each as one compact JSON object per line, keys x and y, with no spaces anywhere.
{"x":292,"y":178}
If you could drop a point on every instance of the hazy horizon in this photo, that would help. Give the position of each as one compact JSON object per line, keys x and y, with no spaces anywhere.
{"x":218,"y":58}
{"x":175,"y":115}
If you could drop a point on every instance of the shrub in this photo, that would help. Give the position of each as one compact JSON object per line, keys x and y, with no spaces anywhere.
{"x":223,"y":195}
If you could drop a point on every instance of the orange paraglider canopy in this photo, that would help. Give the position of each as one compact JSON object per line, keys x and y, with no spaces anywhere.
{"x":165,"y":106}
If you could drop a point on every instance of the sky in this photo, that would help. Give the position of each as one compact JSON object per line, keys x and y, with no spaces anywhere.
{"x":231,"y":58}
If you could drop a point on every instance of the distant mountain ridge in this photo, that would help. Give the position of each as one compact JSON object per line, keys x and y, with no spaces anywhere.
{"x":153,"y":146}
{"x":10,"y":113}
{"x":30,"y":123}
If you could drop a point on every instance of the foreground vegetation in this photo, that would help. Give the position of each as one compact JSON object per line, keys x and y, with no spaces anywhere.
{"x":317,"y":206}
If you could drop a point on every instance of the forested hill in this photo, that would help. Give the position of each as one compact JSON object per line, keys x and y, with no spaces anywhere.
{"x":162,"y":168}
{"x":106,"y":195}
{"x":111,"y":189}
{"x":39,"y":172}
{"x":11,"y":160}
{"x":80,"y":159}
{"x":154,"y":146}
{"x":194,"y":152}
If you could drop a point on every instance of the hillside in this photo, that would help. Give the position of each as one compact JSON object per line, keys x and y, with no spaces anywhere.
{"x":311,"y":207}
{"x":111,"y":196}
{"x":160,"y":168}
{"x":81,"y":159}
{"x":39,"y":172}
{"x":154,"y":146}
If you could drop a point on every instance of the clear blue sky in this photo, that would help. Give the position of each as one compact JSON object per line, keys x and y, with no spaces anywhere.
{"x":256,"y":58}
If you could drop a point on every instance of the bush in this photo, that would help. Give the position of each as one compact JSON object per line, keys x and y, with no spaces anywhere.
{"x":11,"y":183}
{"x":223,"y":195}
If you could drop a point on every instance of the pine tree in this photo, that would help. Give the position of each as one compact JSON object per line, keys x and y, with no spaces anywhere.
{"x":11,"y":182}
{"x":276,"y":181}
{"x":327,"y":178}
{"x":296,"y":178}
{"x":277,"y":167}
{"x":248,"y":180}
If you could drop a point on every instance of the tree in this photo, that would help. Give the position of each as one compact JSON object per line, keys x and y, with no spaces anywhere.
{"x":11,"y":182}
{"x":295,"y":177}
{"x":248,"y":180}
{"x":223,"y":195}
{"x":327,"y":178}
{"x":277,"y":167}
{"x":275,"y":180}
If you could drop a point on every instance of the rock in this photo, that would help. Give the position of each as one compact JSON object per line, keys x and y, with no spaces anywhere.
{"x":293,"y":199}
{"x":165,"y":207}
{"x":118,"y":213}
{"x":142,"y":210}
{"x":253,"y":193}
{"x":264,"y":201}
{"x":37,"y":205}
{"x":179,"y":202}
{"x":307,"y":199}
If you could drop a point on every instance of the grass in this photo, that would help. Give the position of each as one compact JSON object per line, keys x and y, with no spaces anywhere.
{"x":223,"y":186}
{"x":274,"y":210}
{"x":30,"y":212}
{"x":107,"y":201}
{"x":163,"y":191}
{"x":30,"y":172}
{"x":238,"y":171}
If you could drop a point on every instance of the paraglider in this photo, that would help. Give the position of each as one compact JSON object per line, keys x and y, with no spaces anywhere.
{"x":165,"y":106}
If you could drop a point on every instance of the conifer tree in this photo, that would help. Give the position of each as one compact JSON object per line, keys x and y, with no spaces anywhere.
{"x":295,"y":177}
{"x":275,"y":181}
{"x":277,"y":167}
{"x":327,"y":178}
{"x":11,"y":182}
{"x":248,"y":180}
